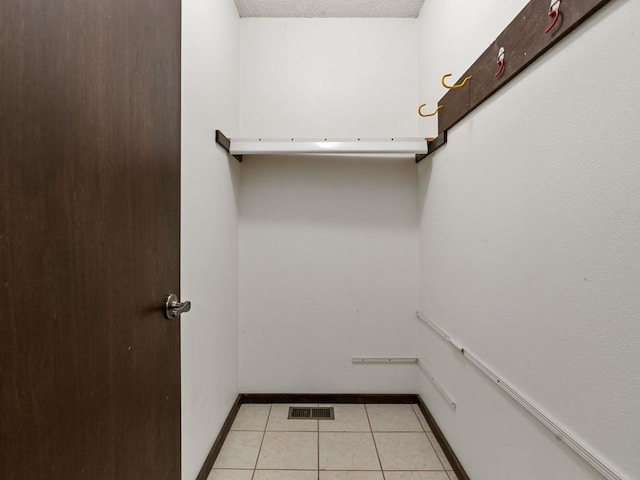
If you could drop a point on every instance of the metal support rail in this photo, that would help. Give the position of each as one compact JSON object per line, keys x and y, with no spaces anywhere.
{"x":443,"y":391}
{"x":415,"y":360}
{"x":584,"y":452}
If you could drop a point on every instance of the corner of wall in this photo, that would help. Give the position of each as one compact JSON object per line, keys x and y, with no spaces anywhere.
{"x":525,"y":250}
{"x":209,"y":272}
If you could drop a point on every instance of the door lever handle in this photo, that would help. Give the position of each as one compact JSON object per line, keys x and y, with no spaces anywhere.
{"x":173,"y":308}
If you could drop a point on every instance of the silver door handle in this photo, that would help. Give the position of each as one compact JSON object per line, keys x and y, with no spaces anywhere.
{"x":173,"y":308}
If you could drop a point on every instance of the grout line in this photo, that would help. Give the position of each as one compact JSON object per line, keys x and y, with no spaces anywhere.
{"x":416,"y":410}
{"x":273,"y":469}
{"x":291,"y":431}
{"x":430,"y":442}
{"x":399,"y":431}
{"x":233,"y":468}
{"x":242,"y":430}
{"x":374,"y":442}
{"x":283,"y":469}
{"x":318,"y":464}
{"x":418,"y":417}
{"x":264,"y":432}
{"x":436,"y":450}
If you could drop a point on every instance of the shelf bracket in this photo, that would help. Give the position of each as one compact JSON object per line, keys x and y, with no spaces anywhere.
{"x":225,"y":143}
{"x":433,"y":144}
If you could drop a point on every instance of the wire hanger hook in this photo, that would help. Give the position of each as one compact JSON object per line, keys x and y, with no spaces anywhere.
{"x":500,"y":62}
{"x":454,"y":87}
{"x":428,"y":114}
{"x":554,"y":13}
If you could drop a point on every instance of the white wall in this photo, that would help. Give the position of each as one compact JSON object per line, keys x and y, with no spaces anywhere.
{"x":328,"y":77}
{"x":328,"y":246}
{"x":530,"y":246}
{"x":209,"y":225}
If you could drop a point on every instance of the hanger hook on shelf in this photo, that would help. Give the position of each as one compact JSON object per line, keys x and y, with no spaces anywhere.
{"x":454,"y":87}
{"x":554,"y":13}
{"x":500,"y":62}
{"x":428,"y":114}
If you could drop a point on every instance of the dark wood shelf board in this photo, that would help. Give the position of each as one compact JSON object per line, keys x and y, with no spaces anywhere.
{"x":524,"y":42}
{"x":433,"y":144}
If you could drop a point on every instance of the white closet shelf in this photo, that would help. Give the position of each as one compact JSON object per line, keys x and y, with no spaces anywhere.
{"x":283,"y":146}
{"x":322,"y":146}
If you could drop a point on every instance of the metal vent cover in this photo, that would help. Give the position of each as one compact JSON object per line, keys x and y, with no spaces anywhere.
{"x":311,"y":413}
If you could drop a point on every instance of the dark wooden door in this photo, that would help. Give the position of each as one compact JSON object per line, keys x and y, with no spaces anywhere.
{"x":89,"y":239}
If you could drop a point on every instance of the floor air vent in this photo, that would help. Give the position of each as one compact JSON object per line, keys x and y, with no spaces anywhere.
{"x":310,"y":413}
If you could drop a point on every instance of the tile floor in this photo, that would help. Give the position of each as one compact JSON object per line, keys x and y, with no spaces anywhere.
{"x":364,"y":442}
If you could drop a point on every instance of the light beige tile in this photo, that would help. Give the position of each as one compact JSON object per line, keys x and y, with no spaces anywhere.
{"x":416,"y":476}
{"x":278,"y":421}
{"x":393,"y":418}
{"x":348,"y":451}
{"x":439,"y":452}
{"x":452,"y":475}
{"x":230,"y":475}
{"x":286,"y":475}
{"x":324,"y":475}
{"x":406,"y":451}
{"x":240,"y":450}
{"x":421,"y":419}
{"x":348,"y":418}
{"x":252,"y":416}
{"x":289,"y":451}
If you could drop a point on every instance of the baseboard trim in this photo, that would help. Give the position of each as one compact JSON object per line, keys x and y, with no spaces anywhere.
{"x":442,"y":440}
{"x":222,"y":436}
{"x":329,"y":398}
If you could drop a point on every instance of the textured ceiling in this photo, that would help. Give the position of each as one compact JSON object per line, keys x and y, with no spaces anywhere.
{"x":329,"y":8}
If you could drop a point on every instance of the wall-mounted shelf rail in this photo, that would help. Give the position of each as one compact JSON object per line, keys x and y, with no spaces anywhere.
{"x":238,"y":147}
{"x":537,"y":28}
{"x":555,"y":427}
{"x":525,"y":40}
{"x":409,"y":360}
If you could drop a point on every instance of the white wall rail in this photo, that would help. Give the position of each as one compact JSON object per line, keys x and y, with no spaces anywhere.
{"x":416,"y":360}
{"x":385,"y":360}
{"x":547,"y":421}
{"x":443,"y":391}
